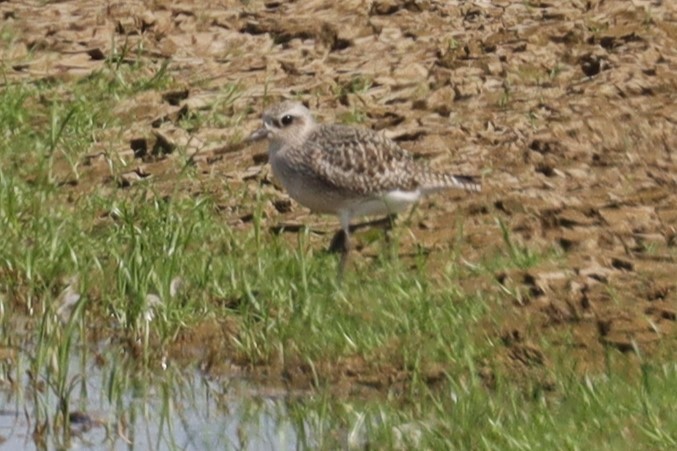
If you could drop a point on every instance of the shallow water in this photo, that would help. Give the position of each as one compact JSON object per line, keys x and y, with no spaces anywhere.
{"x":191,"y":413}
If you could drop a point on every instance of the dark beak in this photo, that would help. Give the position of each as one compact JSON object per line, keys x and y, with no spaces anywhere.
{"x":258,"y":135}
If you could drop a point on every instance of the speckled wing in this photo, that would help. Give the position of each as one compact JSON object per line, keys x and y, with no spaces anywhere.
{"x":359,"y":161}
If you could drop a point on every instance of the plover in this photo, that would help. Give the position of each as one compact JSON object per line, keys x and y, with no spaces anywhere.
{"x":344,"y":170}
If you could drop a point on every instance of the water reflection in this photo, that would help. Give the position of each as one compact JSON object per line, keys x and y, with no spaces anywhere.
{"x":164,"y":411}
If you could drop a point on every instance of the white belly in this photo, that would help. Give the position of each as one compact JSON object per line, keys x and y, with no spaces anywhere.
{"x":389,"y":203}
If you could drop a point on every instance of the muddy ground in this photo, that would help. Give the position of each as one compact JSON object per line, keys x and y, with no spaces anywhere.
{"x":566,"y":109}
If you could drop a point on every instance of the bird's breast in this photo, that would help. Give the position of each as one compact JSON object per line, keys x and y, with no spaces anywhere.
{"x":302,"y":186}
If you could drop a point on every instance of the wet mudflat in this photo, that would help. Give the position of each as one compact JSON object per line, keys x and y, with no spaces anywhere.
{"x":142,"y":233}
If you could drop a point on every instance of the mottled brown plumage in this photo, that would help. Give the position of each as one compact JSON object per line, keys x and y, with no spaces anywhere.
{"x":367,"y":163}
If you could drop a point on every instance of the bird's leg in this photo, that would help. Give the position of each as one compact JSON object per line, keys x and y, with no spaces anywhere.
{"x":389,"y":223}
{"x":341,"y":243}
{"x":388,"y":226}
{"x":345,"y":243}
{"x":338,"y":242}
{"x":344,"y":256}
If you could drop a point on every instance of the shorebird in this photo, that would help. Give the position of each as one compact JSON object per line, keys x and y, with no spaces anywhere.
{"x":344,"y":170}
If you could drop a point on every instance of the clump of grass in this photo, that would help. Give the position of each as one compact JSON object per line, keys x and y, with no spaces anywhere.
{"x":520,"y":256}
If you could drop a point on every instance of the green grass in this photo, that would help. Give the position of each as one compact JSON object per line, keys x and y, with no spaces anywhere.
{"x":125,"y":251}
{"x":593,"y":413}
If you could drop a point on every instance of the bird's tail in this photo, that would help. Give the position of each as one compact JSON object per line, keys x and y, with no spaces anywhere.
{"x":439,"y":181}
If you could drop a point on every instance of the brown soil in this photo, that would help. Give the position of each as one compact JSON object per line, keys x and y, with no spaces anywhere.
{"x":566,"y":108}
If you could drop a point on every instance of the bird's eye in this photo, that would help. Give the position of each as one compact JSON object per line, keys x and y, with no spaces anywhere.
{"x":287,"y":119}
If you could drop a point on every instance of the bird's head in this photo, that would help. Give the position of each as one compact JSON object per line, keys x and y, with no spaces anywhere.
{"x":287,"y":123}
